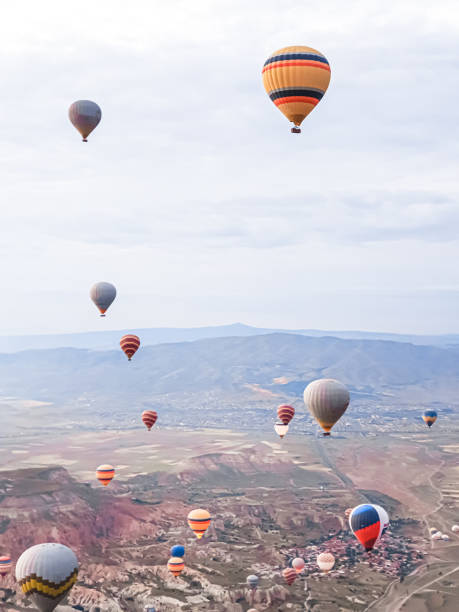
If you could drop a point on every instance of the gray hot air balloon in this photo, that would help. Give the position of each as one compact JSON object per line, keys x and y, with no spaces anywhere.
{"x":102,"y":294}
{"x":46,"y":573}
{"x":327,"y":400}
{"x":252,"y":581}
{"x":85,"y":116}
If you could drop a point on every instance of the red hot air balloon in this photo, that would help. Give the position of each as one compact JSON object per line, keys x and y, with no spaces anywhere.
{"x":285,"y":413}
{"x":289,"y":575}
{"x":149,"y":418}
{"x":129,"y":344}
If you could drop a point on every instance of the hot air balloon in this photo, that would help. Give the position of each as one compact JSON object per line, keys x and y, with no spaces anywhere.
{"x":327,"y":400}
{"x":325,"y":561}
{"x":437,"y":535}
{"x":455,"y":528}
{"x":175,"y":565}
{"x":85,"y":116}
{"x":285,"y":413}
{"x":289,"y":575}
{"x":347,"y":512}
{"x":129,"y":344}
{"x":445,"y":537}
{"x":149,"y":609}
{"x":366,"y":525}
{"x":252,"y":581}
{"x":149,"y":418}
{"x":103,"y":294}
{"x":199,"y":521}
{"x":433,"y":530}
{"x":296,"y":78}
{"x":46,"y":573}
{"x":429,"y":417}
{"x":5,"y":565}
{"x":177,"y":551}
{"x":105,"y":474}
{"x":281,"y":429}
{"x":298,"y":565}
{"x":383,"y":517}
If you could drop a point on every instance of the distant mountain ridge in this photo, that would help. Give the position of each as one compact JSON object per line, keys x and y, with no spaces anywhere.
{"x":105,"y":340}
{"x":280,"y":362}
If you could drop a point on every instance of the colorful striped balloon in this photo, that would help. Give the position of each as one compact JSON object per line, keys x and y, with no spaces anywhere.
{"x":289,"y":575}
{"x":199,"y":521}
{"x":5,"y":565}
{"x":366,"y":525}
{"x":129,"y":344}
{"x":285,"y":413}
{"x":429,"y":417}
{"x":149,"y":418}
{"x":105,"y":474}
{"x":296,"y":78}
{"x":175,"y":565}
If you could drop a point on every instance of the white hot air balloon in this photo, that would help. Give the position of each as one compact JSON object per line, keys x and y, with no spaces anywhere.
{"x":281,"y":429}
{"x":455,"y":528}
{"x":325,"y":561}
{"x":46,"y":573}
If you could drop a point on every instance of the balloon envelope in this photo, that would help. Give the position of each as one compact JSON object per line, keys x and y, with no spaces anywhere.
{"x":177,"y":551}
{"x":103,"y":294}
{"x":325,"y":561}
{"x":199,"y":521}
{"x":175,"y":565}
{"x":298,"y":564}
{"x":289,"y":575}
{"x":5,"y":565}
{"x":252,"y":581}
{"x":85,"y":116}
{"x":285,"y":413}
{"x":105,"y":474}
{"x":296,"y":78}
{"x":149,"y":418}
{"x":327,"y":400}
{"x":129,"y":345}
{"x":365,"y":525}
{"x":429,"y":417}
{"x":46,"y":573}
{"x":280,"y":429}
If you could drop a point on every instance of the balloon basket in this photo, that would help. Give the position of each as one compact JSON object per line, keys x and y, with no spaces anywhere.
{"x":295,"y":130}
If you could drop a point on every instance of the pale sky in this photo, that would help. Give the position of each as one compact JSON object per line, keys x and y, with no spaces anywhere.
{"x":193,"y":197}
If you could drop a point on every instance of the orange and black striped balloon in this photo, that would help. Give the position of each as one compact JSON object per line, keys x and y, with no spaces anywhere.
{"x":296,"y":78}
{"x":289,"y":575}
{"x":105,"y":474}
{"x":175,"y":565}
{"x":285,"y":413}
{"x":129,"y":344}
{"x":149,"y":418}
{"x":199,"y":521}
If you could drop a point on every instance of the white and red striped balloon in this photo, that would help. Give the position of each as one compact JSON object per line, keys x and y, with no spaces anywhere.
{"x":5,"y":565}
{"x":289,"y":575}
{"x":149,"y":418}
